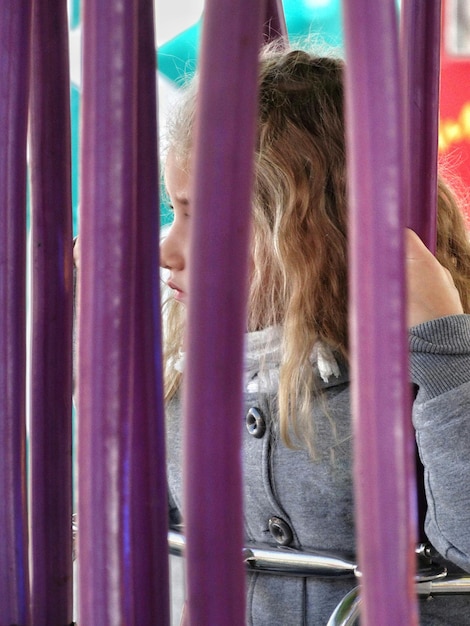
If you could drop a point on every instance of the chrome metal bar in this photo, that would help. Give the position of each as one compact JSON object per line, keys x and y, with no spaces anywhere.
{"x":319,"y":563}
{"x":176,"y":543}
{"x":347,"y":611}
{"x":450,"y":585}
{"x":431,"y":579}
{"x":283,"y":560}
{"x":292,"y":562}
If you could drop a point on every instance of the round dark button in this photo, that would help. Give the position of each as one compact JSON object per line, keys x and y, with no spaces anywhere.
{"x":255,"y":423}
{"x":281,"y":531}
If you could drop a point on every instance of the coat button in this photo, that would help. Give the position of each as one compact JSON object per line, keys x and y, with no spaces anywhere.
{"x":255,"y":423}
{"x":281,"y":531}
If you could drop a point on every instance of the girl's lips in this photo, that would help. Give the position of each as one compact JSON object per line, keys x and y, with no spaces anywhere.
{"x":179,"y":293}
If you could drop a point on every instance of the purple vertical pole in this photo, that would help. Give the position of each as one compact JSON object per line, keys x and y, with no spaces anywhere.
{"x":15,"y":22}
{"x":421,"y":38}
{"x":222,"y":168}
{"x":150,"y":503}
{"x":106,"y":332}
{"x":51,"y":357}
{"x":275,"y":25}
{"x":383,"y":468}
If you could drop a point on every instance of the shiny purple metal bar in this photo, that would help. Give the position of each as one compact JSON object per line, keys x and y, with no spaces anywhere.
{"x":107,"y":347}
{"x":15,"y":23}
{"x":222,"y":169}
{"x":51,"y":354}
{"x":384,"y":482}
{"x":421,"y":39}
{"x":150,"y":502}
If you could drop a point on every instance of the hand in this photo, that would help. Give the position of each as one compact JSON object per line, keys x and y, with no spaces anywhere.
{"x":431,"y":290}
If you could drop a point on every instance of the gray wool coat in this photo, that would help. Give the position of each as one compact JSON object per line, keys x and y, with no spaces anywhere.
{"x":306,"y":504}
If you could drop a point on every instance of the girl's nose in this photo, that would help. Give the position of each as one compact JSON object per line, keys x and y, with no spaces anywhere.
{"x":171,"y":254}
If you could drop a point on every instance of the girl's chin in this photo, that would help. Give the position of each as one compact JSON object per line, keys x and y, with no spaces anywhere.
{"x":181,"y":298}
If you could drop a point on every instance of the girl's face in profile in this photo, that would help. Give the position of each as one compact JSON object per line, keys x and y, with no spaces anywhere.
{"x":174,"y":248}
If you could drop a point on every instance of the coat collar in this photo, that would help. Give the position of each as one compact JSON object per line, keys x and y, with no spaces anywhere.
{"x":263,"y":358}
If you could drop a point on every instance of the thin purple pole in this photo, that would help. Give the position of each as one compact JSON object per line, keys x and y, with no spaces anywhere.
{"x":421,"y":38}
{"x":383,"y":467}
{"x":15,"y":23}
{"x":275,"y":23}
{"x":51,"y":356}
{"x":150,"y":502}
{"x":106,"y":331}
{"x":223,"y":169}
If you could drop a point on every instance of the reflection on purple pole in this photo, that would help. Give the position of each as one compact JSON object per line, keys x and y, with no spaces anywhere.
{"x":106,"y":332}
{"x":382,"y":424}
{"x":15,"y":21}
{"x":150,"y":503}
{"x":421,"y":37}
{"x":51,"y":378}
{"x":222,"y":171}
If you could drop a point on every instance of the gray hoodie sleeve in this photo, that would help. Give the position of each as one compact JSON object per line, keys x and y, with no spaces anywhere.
{"x":440,"y":367}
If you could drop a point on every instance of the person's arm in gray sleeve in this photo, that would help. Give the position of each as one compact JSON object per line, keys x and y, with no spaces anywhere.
{"x":440,"y":367}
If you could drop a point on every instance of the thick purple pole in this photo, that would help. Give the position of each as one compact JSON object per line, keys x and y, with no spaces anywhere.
{"x":15,"y":22}
{"x":421,"y":38}
{"x":150,"y":503}
{"x":383,"y":446}
{"x":106,"y":331}
{"x":222,"y":168}
{"x":51,"y":359}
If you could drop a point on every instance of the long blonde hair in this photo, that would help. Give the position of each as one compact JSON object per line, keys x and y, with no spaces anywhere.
{"x":299,"y":235}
